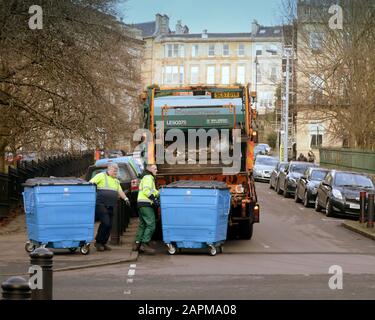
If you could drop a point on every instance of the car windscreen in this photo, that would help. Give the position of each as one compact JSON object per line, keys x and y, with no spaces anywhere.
{"x":266,"y":162}
{"x":352,"y":180}
{"x":298,"y":168}
{"x":318,"y":175}
{"x":123,"y":174}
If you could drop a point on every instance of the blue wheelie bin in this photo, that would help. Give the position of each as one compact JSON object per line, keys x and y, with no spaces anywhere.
{"x":60,"y":213}
{"x":194,"y":214}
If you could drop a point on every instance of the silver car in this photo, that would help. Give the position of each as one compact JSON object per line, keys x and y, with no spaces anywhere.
{"x":263,"y":167}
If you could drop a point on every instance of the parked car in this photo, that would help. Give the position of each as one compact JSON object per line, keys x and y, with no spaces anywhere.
{"x":262,"y":149}
{"x":307,"y":185}
{"x":275,"y":174}
{"x":128,"y":178}
{"x":339,"y":192}
{"x":263,"y":167}
{"x":287,"y":181}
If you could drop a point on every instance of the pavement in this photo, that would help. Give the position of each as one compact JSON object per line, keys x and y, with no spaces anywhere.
{"x":15,"y":261}
{"x":360,"y":228}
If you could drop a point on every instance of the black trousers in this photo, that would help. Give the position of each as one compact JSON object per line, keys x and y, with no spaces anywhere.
{"x":105,"y":215}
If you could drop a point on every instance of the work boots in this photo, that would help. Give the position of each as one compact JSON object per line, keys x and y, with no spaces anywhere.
{"x":146,"y":249}
{"x":136,"y":246}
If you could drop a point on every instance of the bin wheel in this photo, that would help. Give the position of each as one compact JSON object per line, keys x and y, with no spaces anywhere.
{"x":212,"y":250}
{"x":29,"y":247}
{"x":85,"y":249}
{"x":171,"y":249}
{"x":72,"y":250}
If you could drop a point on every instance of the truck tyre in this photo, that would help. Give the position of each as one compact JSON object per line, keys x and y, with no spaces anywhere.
{"x":245,"y":230}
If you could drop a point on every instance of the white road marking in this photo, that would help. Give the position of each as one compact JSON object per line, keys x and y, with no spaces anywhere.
{"x":131,"y":272}
{"x":333,"y":220}
{"x":302,"y":208}
{"x":129,"y":280}
{"x":133,"y":266}
{"x":264,"y":245}
{"x":127,"y":292}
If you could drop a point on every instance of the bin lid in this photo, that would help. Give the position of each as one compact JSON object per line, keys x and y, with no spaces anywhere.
{"x":191,"y":184}
{"x":55,"y":181}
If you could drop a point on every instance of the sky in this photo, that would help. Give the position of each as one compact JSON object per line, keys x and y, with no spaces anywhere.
{"x":213,"y":15}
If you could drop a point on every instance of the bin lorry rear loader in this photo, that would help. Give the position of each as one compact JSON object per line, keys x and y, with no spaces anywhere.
{"x":201,"y":109}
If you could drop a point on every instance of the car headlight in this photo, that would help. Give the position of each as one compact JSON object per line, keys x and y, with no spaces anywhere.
{"x":337,"y":194}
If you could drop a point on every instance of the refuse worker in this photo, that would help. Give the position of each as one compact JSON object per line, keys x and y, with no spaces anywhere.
{"x":148,"y":197}
{"x":108,"y":191}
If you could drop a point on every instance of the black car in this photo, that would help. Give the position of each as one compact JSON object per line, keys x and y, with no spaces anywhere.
{"x":128,"y":179}
{"x":275,"y":174}
{"x":339,"y":192}
{"x":307,"y":185}
{"x":287,"y":181}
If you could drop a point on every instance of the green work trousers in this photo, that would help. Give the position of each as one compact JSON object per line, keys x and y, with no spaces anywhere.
{"x":146,"y":227}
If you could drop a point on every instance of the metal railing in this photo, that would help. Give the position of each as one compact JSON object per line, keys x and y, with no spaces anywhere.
{"x":72,"y":165}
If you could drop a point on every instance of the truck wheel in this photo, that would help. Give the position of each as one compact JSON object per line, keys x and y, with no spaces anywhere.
{"x":246,"y":230}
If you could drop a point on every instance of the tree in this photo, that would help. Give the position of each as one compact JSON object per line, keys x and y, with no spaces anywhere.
{"x":74,"y":82}
{"x":335,"y":68}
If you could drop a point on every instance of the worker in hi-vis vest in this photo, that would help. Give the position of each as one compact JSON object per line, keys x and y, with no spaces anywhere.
{"x":107,"y":194}
{"x":148,"y":198}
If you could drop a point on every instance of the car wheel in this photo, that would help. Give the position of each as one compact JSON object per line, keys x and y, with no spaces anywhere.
{"x":329,"y":209}
{"x":318,"y":207}
{"x":306,"y":200}
{"x":296,"y":198}
{"x":278,"y":190}
{"x":285,"y":192}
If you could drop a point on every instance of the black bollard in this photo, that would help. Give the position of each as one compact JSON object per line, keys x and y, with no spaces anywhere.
{"x":362,"y":206}
{"x":43,"y":258}
{"x":370,"y":211}
{"x":115,"y":232}
{"x":16,"y":288}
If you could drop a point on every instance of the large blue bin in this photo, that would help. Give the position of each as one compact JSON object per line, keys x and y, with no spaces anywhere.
{"x":195,"y":214}
{"x":60,"y":213}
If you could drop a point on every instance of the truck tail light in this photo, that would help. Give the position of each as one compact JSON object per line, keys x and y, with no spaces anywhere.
{"x":256,"y":213}
{"x":134,"y":185}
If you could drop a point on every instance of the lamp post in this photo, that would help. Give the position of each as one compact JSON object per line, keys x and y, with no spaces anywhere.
{"x":287,"y":54}
{"x":256,"y":82}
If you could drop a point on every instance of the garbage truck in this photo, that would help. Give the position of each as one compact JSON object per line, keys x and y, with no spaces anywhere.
{"x":191,"y":129}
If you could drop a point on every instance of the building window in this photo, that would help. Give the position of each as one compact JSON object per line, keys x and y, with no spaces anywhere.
{"x":174,"y":50}
{"x":273,"y":49}
{"x":316,"y":88}
{"x":258,"y":50}
{"x":241,"y":50}
{"x":211,"y":75}
{"x":225,"y":74}
{"x":316,"y":40}
{"x":316,"y":141}
{"x":194,"y":75}
{"x":225,"y":50}
{"x":316,"y":131}
{"x":194,"y":50}
{"x":240,"y":74}
{"x":211,"y":50}
{"x":173,"y":75}
{"x":274,"y":74}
